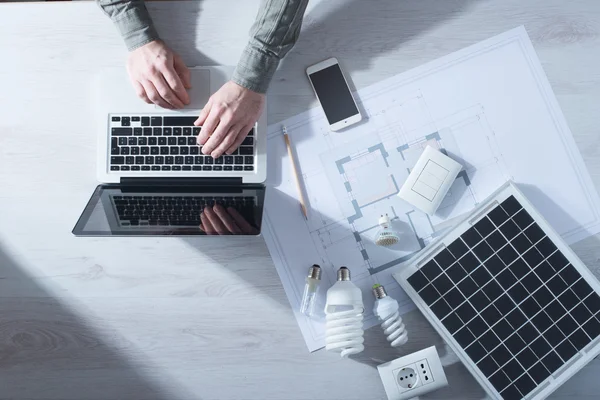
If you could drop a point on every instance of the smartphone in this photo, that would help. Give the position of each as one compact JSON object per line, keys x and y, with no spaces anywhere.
{"x":333,"y":93}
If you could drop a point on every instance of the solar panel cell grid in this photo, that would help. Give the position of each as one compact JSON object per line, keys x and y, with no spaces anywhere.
{"x":476,"y":351}
{"x":511,"y":299}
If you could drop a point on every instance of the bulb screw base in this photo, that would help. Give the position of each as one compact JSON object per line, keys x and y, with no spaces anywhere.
{"x":314,"y":272}
{"x":379,"y":291}
{"x":343,"y":274}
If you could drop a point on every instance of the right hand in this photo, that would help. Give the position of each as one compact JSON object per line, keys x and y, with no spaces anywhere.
{"x":159,"y":75}
{"x":217,"y":220}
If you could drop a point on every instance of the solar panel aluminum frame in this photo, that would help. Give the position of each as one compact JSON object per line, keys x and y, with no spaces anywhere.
{"x":567,"y":370}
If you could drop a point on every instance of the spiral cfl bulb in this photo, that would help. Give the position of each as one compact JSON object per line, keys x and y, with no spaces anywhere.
{"x":386,"y":310}
{"x":344,"y":316}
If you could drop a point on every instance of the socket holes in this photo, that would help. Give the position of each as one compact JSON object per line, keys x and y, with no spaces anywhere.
{"x":407,"y":378}
{"x":422,"y":366}
{"x":426,"y":378}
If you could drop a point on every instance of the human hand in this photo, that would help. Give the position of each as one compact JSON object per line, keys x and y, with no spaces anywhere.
{"x":227,"y":118}
{"x":159,"y":75}
{"x":217,"y":220}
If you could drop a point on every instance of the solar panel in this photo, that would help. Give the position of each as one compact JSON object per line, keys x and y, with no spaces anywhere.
{"x":510,"y":297}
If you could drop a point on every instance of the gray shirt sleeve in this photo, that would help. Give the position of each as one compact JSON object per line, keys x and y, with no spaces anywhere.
{"x":132,"y":19}
{"x":272,"y":36}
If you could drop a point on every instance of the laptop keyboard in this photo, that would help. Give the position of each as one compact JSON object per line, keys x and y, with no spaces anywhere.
{"x":173,"y":210}
{"x":168,"y":143}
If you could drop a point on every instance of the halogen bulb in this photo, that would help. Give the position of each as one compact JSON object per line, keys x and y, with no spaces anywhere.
{"x":311,"y":288}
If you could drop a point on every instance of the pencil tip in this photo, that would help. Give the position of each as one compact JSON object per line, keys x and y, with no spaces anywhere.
{"x":303,"y":211}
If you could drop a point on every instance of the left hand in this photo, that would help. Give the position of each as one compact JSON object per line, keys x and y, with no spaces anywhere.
{"x":159,"y":75}
{"x":227,"y":118}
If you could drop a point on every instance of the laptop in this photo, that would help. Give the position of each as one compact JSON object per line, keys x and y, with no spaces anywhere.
{"x":155,"y":179}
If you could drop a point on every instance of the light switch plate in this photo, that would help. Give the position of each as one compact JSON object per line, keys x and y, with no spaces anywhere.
{"x":430,"y":180}
{"x":413,"y":375}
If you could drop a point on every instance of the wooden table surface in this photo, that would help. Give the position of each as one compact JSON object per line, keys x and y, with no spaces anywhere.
{"x":173,"y":318}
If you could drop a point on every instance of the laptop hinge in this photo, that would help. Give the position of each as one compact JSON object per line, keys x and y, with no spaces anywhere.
{"x":181,"y":181}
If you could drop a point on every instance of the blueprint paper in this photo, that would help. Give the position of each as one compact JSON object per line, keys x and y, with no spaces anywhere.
{"x":489,"y":106}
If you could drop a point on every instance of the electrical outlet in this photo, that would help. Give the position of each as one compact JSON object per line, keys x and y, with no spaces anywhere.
{"x":413,"y":375}
{"x":425,"y":371}
{"x":407,"y":377}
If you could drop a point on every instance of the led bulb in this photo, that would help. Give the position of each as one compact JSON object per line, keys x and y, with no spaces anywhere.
{"x":386,"y":236}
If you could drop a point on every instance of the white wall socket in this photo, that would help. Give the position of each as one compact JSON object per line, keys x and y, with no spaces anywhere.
{"x":413,"y":375}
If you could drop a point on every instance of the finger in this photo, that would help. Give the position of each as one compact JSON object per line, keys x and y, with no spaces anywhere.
{"x":154,"y":96}
{"x":227,"y":220}
{"x":217,"y":137}
{"x":139,"y":90}
{"x":203,"y":114}
{"x":206,"y":225}
{"x":240,"y":138}
{"x":209,"y":126}
{"x":226,"y":142}
{"x":174,"y":81}
{"x":183,"y":71}
{"x":166,"y":92}
{"x":215,"y":221}
{"x":241,"y":221}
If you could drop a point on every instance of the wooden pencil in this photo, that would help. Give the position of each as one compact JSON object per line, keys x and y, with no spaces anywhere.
{"x":295,"y":171}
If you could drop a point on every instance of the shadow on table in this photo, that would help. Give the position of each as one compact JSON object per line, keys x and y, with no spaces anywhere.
{"x":48,"y":351}
{"x":378,"y":351}
{"x":461,"y":383}
{"x":247,"y":261}
{"x":181,"y":37}
{"x":358,"y":33}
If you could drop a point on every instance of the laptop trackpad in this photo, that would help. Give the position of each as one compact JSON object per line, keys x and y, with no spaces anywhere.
{"x":200,"y":91}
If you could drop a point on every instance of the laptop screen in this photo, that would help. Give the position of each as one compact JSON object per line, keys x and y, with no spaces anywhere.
{"x":116,"y":210}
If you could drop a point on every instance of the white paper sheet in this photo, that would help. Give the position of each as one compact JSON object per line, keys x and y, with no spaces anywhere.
{"x":490,"y":106}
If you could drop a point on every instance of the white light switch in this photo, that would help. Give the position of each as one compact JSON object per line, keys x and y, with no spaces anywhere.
{"x":422,"y":188}
{"x":435,"y":170}
{"x":430,"y":180}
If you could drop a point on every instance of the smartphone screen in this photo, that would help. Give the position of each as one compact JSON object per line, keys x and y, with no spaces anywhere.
{"x":334,"y":94}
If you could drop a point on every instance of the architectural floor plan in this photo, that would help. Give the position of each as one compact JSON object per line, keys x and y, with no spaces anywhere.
{"x":352,"y":177}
